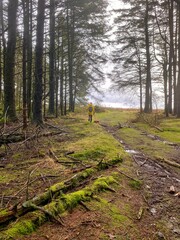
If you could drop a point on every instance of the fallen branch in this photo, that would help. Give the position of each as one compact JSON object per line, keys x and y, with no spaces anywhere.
{"x":127,"y":175}
{"x":57,"y":189}
{"x":51,"y":153}
{"x":172,"y":163}
{"x":27,"y":224}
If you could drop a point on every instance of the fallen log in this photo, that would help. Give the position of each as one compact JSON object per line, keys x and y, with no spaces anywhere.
{"x":32,"y":220}
{"x":58,"y":189}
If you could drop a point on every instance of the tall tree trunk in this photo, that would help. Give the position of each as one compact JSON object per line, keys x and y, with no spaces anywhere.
{"x":52,"y":58}
{"x":29,"y":58}
{"x":38,"y":90}
{"x":70,"y":61}
{"x":9,"y":83}
{"x":65,"y":93}
{"x":178,"y":81}
{"x":175,"y":60}
{"x":148,"y":96}
{"x":171,"y":53}
{"x":1,"y":67}
{"x":62,"y":79}
{"x":165,"y":77}
{"x":45,"y":79}
{"x":24,"y":65}
{"x":3,"y":46}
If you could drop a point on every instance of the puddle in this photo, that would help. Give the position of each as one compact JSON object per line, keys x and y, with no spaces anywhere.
{"x":131,"y":151}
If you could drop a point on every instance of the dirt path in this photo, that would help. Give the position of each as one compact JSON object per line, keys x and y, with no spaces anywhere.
{"x":157,"y":178}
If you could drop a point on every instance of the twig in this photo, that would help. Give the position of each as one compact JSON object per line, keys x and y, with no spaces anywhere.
{"x":47,"y":213}
{"x":143,"y":163}
{"x":84,"y":205}
{"x":2,"y":200}
{"x":135,"y":160}
{"x":51,"y":153}
{"x":27,"y":186}
{"x":127,"y":175}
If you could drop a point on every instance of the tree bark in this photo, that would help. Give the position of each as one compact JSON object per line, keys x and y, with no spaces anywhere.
{"x":178,"y":81}
{"x":52,"y":58}
{"x":29,"y":58}
{"x":9,"y":82}
{"x":38,"y":90}
{"x":148,"y":96}
{"x":171,"y":53}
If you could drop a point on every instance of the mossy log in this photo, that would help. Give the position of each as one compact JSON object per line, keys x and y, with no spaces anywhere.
{"x":55,"y":190}
{"x":32,"y":220}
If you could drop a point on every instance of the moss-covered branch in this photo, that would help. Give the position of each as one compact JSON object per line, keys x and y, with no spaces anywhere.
{"x":57,"y":189}
{"x":32,"y":220}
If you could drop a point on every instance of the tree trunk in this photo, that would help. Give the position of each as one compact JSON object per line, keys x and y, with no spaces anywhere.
{"x":29,"y":58}
{"x":38,"y":90}
{"x":24,"y":65}
{"x":70,"y":60}
{"x":9,"y":83}
{"x":178,"y":81}
{"x":62,"y":78}
{"x":175,"y":60}
{"x":52,"y":58}
{"x":171,"y":53}
{"x":1,"y":66}
{"x":3,"y":46}
{"x":148,"y":96}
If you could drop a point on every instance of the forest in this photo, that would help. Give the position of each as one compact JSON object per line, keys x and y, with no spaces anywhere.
{"x":62,"y":175}
{"x":52,"y":54}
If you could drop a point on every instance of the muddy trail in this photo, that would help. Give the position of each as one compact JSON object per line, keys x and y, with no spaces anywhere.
{"x":161,"y":183}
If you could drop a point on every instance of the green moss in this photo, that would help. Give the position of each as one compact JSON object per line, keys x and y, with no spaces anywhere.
{"x":66,"y":202}
{"x":56,"y":186}
{"x":94,"y":154}
{"x":6,"y":177}
{"x":17,"y":156}
{"x":102,"y":183}
{"x":117,"y":217}
{"x":3,"y":212}
{"x":135,"y":184}
{"x":23,"y":228}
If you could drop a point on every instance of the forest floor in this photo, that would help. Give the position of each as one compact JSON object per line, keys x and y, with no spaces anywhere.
{"x":143,"y":201}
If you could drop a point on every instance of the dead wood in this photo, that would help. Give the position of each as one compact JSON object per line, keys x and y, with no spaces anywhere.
{"x":172,"y":163}
{"x":57,"y":189}
{"x":140,"y":213}
{"x":127,"y":175}
{"x":49,"y":214}
{"x":84,"y":206}
{"x":53,"y":155}
{"x":150,"y":124}
{"x":69,"y":201}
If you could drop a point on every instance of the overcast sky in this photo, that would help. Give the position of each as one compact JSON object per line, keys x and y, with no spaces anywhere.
{"x":114,"y":98}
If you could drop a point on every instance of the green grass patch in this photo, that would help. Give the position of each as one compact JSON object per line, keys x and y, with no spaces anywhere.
{"x":135,"y":184}
{"x":6,"y":177}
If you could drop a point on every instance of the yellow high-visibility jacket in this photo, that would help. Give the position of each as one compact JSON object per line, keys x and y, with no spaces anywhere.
{"x":90,"y":109}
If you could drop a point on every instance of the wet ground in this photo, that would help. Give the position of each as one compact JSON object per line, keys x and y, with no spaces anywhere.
{"x":159,"y":179}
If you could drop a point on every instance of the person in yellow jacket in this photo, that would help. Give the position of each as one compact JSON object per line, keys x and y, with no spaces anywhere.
{"x":91,"y":111}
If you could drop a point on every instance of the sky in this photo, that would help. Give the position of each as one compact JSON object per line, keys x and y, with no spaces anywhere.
{"x":111,"y":98}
